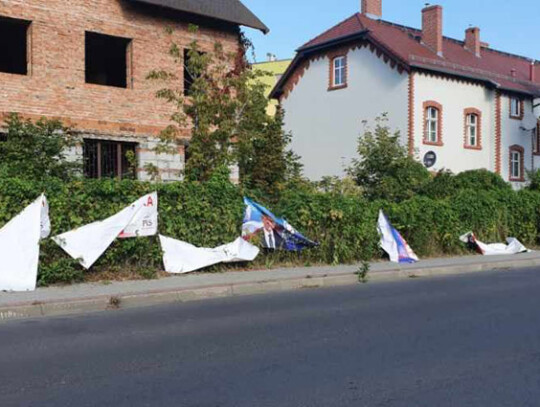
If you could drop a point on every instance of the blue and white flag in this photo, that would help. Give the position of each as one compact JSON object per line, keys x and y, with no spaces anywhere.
{"x":275,"y":233}
{"x":393,"y":243}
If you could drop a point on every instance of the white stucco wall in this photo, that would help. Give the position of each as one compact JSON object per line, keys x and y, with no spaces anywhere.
{"x":326,"y":124}
{"x":516,"y":132}
{"x":455,"y":97}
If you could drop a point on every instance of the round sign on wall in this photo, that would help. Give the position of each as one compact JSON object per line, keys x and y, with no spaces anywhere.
{"x":430,"y":159}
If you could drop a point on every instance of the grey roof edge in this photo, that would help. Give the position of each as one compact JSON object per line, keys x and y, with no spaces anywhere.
{"x":232,"y":11}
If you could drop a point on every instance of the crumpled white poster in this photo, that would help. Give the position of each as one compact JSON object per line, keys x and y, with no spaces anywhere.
{"x":89,"y":242}
{"x":181,"y":257}
{"x":19,"y":246}
{"x":393,"y":243}
{"x":513,"y":246}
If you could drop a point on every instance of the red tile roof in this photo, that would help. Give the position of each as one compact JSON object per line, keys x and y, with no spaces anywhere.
{"x":505,"y":71}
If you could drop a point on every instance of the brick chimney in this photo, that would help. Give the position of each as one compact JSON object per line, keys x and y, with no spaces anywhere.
{"x":532,"y":76}
{"x":472,"y":41}
{"x":372,"y":8}
{"x":432,"y":28}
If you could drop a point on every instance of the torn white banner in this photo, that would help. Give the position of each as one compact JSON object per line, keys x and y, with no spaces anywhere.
{"x":181,"y":257}
{"x":89,"y":242}
{"x":19,"y":246}
{"x":513,"y":246}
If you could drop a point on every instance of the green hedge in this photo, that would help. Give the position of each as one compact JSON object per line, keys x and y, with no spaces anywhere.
{"x":210,"y":214}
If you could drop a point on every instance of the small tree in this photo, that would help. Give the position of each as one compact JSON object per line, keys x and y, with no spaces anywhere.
{"x":226,"y":111}
{"x":264,"y":159}
{"x":37,"y":150}
{"x":385,"y":170}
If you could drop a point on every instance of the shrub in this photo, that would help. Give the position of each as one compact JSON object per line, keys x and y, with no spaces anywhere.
{"x":385,"y":170}
{"x":210,"y":214}
{"x":445,"y":184}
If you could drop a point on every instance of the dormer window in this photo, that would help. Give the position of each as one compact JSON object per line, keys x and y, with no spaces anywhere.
{"x":338,"y":72}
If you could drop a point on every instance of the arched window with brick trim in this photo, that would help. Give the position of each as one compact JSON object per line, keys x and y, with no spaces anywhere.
{"x":516,"y":161}
{"x":433,"y":123}
{"x":473,"y":129}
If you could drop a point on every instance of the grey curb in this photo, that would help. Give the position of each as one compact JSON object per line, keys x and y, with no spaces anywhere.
{"x":126,"y":301}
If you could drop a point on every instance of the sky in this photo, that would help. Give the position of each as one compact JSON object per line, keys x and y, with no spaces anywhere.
{"x":507,"y":25}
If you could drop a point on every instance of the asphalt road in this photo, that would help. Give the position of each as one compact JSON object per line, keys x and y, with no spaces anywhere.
{"x":458,"y":341}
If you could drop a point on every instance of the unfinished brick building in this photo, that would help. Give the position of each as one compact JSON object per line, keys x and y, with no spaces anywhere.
{"x":85,"y":62}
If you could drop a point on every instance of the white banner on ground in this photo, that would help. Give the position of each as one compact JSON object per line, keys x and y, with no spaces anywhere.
{"x":89,"y":242}
{"x":513,"y":246}
{"x":393,"y":243}
{"x":181,"y":257}
{"x":19,"y":246}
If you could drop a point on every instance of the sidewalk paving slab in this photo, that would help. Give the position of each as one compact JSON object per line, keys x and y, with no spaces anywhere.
{"x":91,"y":297}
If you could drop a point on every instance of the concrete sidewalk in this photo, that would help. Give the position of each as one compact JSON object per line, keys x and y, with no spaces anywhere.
{"x":82,"y":298}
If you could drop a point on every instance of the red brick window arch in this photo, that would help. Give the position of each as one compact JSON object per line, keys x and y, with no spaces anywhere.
{"x":516,"y":163}
{"x":433,"y":123}
{"x":473,"y":129}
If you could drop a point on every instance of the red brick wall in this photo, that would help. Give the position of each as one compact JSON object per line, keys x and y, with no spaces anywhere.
{"x":372,"y":7}
{"x":432,"y":28}
{"x":55,"y":86}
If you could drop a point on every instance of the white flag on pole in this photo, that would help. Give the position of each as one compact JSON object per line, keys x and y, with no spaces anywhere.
{"x":181,"y":257}
{"x":89,"y":242}
{"x":19,"y":246}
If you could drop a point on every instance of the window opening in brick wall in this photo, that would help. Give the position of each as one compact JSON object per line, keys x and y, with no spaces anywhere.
{"x":189,"y":76}
{"x":109,"y":159}
{"x":107,"y":60}
{"x":14,"y":45}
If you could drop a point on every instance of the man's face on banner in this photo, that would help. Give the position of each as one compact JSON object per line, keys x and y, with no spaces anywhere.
{"x":268,"y":224}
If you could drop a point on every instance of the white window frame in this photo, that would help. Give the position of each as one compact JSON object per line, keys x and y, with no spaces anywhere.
{"x":472,"y":129}
{"x":432,"y":124}
{"x":515,"y":164}
{"x":515,"y":107}
{"x":339,"y":66}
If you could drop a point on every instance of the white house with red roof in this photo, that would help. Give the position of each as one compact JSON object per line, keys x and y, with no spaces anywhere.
{"x":458,"y":104}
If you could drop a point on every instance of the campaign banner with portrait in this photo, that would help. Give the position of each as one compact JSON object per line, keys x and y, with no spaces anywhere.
{"x":273,"y":233}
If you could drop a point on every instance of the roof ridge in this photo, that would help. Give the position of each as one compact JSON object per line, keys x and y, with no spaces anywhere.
{"x":419,"y":31}
{"x":330,"y":29}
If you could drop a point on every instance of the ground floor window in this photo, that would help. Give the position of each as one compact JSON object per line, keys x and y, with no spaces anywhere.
{"x":473,"y":129}
{"x":109,"y":159}
{"x":517,"y":171}
{"x":433,"y":123}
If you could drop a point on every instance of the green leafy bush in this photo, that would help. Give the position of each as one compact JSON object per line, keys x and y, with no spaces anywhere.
{"x":209,"y":214}
{"x":385,"y":169}
{"x":446,"y":184}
